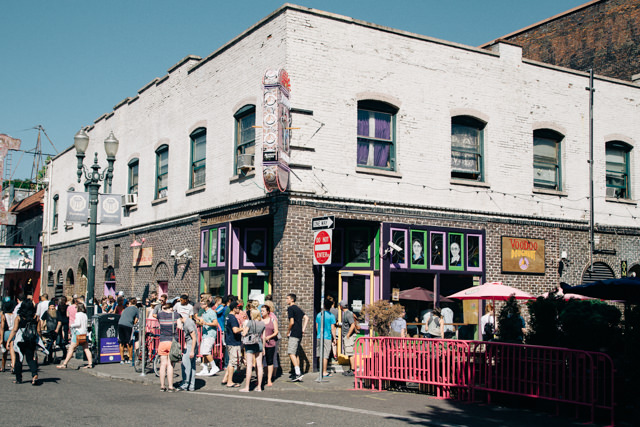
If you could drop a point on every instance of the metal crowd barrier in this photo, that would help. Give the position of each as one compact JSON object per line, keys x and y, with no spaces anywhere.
{"x":456,"y":369}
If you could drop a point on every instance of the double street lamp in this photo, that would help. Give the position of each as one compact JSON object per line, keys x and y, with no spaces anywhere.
{"x":93,"y":179}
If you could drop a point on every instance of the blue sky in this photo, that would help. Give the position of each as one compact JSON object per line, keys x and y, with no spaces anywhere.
{"x":64,"y":63}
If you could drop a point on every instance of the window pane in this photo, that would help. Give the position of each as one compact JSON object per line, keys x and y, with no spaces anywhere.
{"x":363,"y":123}
{"x":247,"y":131}
{"x":465,"y":137}
{"x":545,"y":176}
{"x":616,"y":156}
{"x":464,"y":161}
{"x":545,"y":149}
{"x":383,"y":126}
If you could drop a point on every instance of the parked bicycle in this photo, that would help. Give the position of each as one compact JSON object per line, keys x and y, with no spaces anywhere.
{"x":153,"y":360}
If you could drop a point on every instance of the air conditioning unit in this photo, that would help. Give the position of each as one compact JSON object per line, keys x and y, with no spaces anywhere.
{"x":613,"y":192}
{"x":245,"y":162}
{"x":130,"y":199}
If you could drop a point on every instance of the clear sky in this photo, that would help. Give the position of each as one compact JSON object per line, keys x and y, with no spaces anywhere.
{"x":64,"y":63}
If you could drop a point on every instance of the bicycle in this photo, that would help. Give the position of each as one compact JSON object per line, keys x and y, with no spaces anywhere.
{"x":152,"y":355}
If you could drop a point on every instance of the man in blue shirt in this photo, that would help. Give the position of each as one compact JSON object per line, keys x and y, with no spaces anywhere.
{"x":329,"y":334}
{"x":234,"y":344}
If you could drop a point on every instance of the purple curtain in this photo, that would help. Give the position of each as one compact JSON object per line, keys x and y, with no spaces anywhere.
{"x":381,"y":155}
{"x":383,"y":126}
{"x":363,"y":123}
{"x":363,"y":151}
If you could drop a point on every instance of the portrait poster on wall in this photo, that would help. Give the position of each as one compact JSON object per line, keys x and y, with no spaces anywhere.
{"x":254,"y":246}
{"x":358,"y":247}
{"x":456,"y":251}
{"x":418,"y":249}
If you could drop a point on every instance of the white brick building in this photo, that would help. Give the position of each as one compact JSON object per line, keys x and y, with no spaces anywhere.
{"x":402,"y":96}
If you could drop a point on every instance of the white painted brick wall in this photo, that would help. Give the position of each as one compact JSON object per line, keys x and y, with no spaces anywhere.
{"x":333,"y":63}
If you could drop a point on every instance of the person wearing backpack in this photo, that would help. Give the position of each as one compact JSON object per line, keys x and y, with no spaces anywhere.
{"x":25,"y":334}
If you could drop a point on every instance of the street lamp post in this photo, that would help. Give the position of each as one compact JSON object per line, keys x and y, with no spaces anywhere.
{"x":93,"y":179}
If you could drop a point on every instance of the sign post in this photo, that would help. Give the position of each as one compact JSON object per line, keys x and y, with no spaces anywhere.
{"x":322,"y":245}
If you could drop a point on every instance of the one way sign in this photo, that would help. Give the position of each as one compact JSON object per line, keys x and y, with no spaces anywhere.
{"x":323,"y":223}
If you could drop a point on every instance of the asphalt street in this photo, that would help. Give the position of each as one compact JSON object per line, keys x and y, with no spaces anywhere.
{"x":116,"y":393}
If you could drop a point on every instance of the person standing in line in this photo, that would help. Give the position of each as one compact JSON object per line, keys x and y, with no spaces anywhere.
{"x":159,"y":307}
{"x":487,"y":323}
{"x":209,"y":322}
{"x":350,"y":328}
{"x":128,"y":318}
{"x":270,"y":338}
{"x":234,"y":344}
{"x":79,"y":327}
{"x":189,"y":355}
{"x":297,"y":326}
{"x":447,"y":317}
{"x":328,"y":334}
{"x":399,"y":326}
{"x":435,"y":324}
{"x":184,"y":308}
{"x":254,"y":326}
{"x":167,"y":319}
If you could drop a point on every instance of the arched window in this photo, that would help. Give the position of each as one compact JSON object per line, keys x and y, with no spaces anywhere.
{"x":376,"y":135}
{"x":56,"y":199}
{"x":162,"y":172}
{"x":245,"y":134}
{"x":546,"y":159}
{"x":133,"y":176}
{"x":617,"y":153}
{"x":198,"y":157}
{"x":467,"y":141}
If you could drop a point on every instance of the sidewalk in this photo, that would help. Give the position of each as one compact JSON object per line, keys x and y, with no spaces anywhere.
{"x":116,"y":371}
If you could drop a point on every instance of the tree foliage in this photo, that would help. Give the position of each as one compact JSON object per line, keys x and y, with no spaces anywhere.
{"x":380,"y":314}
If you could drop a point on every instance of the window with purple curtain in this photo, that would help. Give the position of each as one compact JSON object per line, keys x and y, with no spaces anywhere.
{"x":375,"y":139}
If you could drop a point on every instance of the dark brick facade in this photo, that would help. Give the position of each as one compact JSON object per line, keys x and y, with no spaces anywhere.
{"x":603,"y":35}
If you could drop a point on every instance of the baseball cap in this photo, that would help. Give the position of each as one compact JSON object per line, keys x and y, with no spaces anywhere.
{"x":344,"y":304}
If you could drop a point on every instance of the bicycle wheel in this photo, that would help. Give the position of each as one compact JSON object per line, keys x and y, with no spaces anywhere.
{"x":137,"y":361}
{"x":156,"y":365}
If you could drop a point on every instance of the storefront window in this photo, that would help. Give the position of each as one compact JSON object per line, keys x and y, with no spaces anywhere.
{"x":213,"y":282}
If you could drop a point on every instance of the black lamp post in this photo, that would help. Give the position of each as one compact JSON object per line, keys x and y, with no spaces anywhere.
{"x":93,"y":179}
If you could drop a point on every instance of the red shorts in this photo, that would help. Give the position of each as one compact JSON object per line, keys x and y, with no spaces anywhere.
{"x":164,"y":348}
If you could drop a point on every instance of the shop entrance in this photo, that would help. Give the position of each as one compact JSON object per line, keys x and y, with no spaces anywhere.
{"x":356,"y":287}
{"x":255,"y":284}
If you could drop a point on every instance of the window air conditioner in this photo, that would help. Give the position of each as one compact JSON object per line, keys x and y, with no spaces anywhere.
{"x":245,"y":162}
{"x":130,"y":199}
{"x":613,"y":192}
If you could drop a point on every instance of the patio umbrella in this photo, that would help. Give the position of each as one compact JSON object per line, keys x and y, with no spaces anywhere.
{"x":492,"y":291}
{"x":421,"y":294}
{"x":624,"y":289}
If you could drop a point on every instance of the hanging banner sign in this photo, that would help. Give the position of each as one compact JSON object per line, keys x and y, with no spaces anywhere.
{"x":276,"y":129}
{"x":77,"y":207}
{"x":110,"y":208}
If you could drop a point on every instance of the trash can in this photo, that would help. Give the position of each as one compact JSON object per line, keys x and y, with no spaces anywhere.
{"x":105,"y":338}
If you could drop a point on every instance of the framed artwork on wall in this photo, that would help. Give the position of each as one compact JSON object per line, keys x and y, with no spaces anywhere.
{"x":418,"y":249}
{"x":204,"y":249}
{"x":399,"y":258}
{"x":213,"y":247}
{"x":358,"y":249}
{"x":255,"y":240}
{"x":437,"y":250}
{"x":474,"y":252}
{"x":456,"y":251}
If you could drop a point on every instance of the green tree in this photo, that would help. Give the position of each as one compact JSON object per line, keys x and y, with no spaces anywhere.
{"x":510,"y":322}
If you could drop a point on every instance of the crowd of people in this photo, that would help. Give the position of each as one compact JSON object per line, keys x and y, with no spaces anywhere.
{"x":250,"y":335}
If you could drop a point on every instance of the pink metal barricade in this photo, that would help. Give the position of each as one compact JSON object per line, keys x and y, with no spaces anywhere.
{"x":560,"y":375}
{"x":440,"y":364}
{"x":584,"y":379}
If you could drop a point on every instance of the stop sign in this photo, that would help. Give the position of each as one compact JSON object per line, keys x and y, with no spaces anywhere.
{"x":322,"y":247}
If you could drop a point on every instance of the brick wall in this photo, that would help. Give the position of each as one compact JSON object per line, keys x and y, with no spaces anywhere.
{"x":604,"y":36}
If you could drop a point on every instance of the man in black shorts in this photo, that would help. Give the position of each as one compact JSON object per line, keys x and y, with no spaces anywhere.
{"x":128,"y":318}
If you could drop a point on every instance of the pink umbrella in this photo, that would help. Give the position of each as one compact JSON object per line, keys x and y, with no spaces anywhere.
{"x":420,"y":294}
{"x":492,"y":291}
